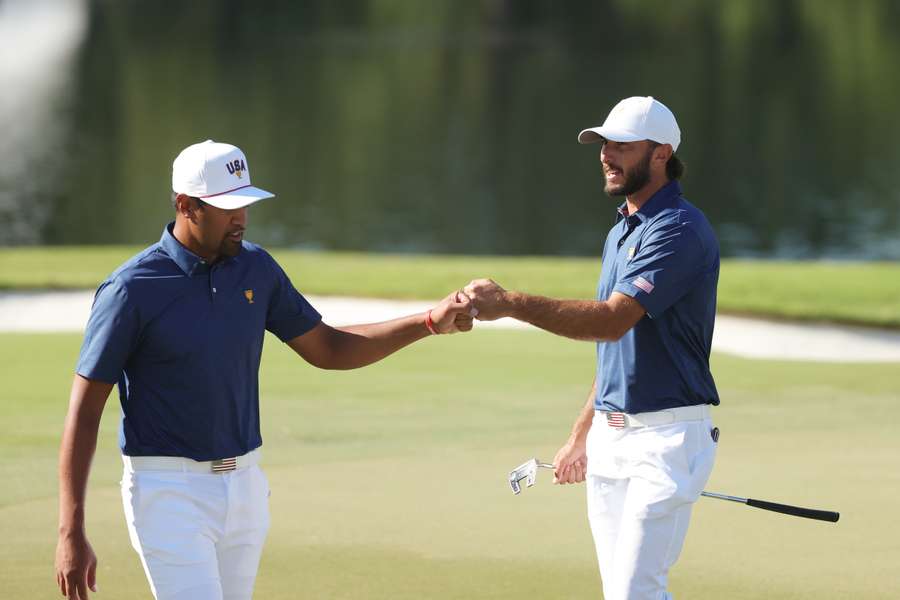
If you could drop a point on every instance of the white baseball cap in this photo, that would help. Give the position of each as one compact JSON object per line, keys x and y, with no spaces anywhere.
{"x":635,"y":119}
{"x":216,"y":173}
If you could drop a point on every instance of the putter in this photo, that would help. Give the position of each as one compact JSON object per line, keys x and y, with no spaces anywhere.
{"x":527,"y":471}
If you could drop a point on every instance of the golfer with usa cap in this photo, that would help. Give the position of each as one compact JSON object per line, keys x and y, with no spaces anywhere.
{"x":179,"y":329}
{"x":644,"y":440}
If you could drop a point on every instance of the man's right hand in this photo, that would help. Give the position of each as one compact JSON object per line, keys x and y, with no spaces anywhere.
{"x":76,"y":566}
{"x":570,"y":463}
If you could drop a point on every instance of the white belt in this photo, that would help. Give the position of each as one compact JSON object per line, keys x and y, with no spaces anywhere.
{"x":177,"y":463}
{"x":620,"y":420}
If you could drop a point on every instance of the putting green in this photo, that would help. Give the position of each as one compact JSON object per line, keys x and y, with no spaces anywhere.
{"x":389,"y":482}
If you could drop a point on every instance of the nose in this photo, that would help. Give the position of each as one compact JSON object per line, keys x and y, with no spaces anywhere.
{"x":239,"y":216}
{"x":604,"y":154}
{"x":608,"y":153}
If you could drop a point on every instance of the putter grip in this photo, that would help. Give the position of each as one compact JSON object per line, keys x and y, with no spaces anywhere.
{"x":797,"y":511}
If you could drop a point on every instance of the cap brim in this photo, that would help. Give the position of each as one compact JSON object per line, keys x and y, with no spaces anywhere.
{"x":238,"y":198}
{"x":598,"y":134}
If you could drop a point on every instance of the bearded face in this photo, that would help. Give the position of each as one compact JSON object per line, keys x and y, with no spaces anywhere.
{"x":625,"y":174}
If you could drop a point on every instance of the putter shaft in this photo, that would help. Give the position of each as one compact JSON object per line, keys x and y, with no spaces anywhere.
{"x":724,"y":497}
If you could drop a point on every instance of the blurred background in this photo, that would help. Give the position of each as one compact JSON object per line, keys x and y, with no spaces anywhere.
{"x":449,"y":126}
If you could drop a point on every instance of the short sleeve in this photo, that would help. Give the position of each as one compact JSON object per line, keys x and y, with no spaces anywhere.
{"x":289,"y":314}
{"x":668,"y":264}
{"x":110,"y":336}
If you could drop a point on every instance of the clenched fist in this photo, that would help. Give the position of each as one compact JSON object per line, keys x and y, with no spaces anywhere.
{"x":490,"y":301}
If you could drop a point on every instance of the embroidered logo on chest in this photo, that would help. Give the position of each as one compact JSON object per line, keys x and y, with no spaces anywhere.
{"x":248,"y":294}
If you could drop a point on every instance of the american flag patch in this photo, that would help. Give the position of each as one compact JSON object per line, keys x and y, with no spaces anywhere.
{"x":643,"y":284}
{"x":615,"y":419}
{"x":223,"y":465}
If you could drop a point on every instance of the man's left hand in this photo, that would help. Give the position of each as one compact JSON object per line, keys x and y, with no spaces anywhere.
{"x":570,"y":463}
{"x":452,"y":315}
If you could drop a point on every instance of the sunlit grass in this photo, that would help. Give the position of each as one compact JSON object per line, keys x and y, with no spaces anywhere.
{"x":389,"y":482}
{"x":863,"y":293}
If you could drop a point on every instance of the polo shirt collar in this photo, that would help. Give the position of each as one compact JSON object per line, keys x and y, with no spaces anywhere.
{"x":663,"y":198}
{"x":186,"y":260}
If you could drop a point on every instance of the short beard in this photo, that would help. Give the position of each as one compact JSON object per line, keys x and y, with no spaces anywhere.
{"x":635,"y":180}
{"x":229,"y":249}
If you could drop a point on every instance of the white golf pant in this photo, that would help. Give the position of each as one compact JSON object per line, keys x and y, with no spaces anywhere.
{"x":641,"y":485}
{"x":199,"y":534}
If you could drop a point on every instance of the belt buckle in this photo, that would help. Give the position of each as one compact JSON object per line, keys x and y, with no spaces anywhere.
{"x":223,"y":465}
{"x":615,"y":419}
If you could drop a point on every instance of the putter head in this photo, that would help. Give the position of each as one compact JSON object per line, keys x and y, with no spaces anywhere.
{"x":527,"y":471}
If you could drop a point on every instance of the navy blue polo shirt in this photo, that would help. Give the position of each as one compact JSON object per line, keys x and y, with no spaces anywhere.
{"x":666,"y":257}
{"x":183,"y":341}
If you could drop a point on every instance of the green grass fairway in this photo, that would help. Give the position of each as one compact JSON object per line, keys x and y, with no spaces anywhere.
{"x":848,"y":292}
{"x":389,"y":482}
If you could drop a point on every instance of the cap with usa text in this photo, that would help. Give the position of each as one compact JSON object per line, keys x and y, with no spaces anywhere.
{"x":217,"y":173}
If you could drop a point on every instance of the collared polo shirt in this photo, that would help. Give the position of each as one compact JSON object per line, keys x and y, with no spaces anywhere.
{"x":183,"y":341}
{"x":666,"y":257}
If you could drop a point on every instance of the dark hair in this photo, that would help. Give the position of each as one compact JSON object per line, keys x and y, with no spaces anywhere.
{"x":200,"y":203}
{"x":674,"y":166}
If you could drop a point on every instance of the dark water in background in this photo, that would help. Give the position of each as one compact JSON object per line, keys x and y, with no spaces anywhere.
{"x":449,"y":126}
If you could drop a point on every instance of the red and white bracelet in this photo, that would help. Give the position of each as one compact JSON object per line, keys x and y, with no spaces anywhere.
{"x":430,"y":324}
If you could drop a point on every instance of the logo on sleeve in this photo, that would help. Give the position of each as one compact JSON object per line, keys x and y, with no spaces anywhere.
{"x":643,"y":284}
{"x":631,"y":253}
{"x":236,"y":167}
{"x":248,"y":294}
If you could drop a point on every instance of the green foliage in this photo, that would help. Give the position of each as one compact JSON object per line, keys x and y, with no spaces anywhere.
{"x":450,"y":126}
{"x":389,"y":482}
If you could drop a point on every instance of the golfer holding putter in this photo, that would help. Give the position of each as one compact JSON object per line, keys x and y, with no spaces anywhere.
{"x":179,"y":329}
{"x":644,"y":440}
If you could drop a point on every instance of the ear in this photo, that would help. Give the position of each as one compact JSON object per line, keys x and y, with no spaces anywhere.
{"x":663,"y":153}
{"x":186,"y":207}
